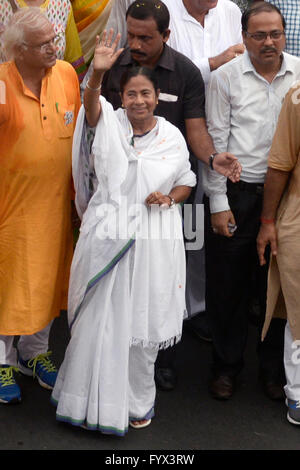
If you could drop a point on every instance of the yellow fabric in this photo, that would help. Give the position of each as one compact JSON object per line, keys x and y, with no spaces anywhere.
{"x":86,"y":9}
{"x":284,"y":274}
{"x":35,"y":197}
{"x":23,"y":4}
{"x":91,"y":17}
{"x":73,"y":52}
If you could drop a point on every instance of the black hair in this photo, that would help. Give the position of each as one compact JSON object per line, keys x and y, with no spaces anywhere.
{"x":258,"y":8}
{"x":134,"y":72}
{"x":144,"y":9}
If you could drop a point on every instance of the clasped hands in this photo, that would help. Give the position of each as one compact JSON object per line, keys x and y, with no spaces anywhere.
{"x":158,"y":198}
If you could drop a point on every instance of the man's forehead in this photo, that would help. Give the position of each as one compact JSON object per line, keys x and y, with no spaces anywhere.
{"x":45,"y":31}
{"x":148,"y":24}
{"x":265,"y":19}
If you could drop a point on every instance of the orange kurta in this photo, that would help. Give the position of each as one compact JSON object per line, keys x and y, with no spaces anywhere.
{"x":35,"y":196}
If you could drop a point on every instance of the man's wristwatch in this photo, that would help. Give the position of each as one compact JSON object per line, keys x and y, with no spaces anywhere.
{"x":211,"y":160}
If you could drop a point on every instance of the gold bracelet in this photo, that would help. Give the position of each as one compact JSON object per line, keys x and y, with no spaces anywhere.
{"x":93,"y":89}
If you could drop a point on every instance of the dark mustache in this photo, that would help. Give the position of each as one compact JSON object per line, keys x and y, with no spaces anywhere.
{"x":268,"y":49}
{"x":133,"y":51}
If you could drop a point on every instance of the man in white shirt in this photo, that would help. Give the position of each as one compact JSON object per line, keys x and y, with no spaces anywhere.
{"x":243,"y":102}
{"x":208,"y":32}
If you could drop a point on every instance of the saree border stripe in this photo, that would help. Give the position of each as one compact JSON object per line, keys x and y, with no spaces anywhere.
{"x":101,"y":274}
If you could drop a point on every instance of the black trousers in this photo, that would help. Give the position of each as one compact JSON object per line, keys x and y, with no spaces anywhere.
{"x":233,"y":277}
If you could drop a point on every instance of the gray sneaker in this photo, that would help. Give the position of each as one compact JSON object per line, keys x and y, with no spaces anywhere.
{"x":293,"y":414}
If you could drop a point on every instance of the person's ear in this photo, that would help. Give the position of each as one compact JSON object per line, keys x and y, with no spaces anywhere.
{"x":166,"y":35}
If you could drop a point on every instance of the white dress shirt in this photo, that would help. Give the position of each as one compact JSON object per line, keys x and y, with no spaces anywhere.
{"x":242,"y":109}
{"x":222,"y":29}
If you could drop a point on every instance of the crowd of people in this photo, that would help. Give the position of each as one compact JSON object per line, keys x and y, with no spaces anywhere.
{"x":117,"y":117}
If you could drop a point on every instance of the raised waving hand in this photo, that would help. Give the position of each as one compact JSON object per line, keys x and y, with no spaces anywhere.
{"x":105,"y":51}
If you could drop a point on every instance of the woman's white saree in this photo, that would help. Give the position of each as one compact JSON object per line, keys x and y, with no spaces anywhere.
{"x":127,"y":284}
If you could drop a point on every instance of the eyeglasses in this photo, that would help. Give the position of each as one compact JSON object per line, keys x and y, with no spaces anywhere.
{"x":46,"y":45}
{"x":262,"y":35}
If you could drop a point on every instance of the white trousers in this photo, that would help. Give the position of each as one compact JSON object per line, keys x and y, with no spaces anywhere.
{"x":142,"y":388}
{"x":29,"y":346}
{"x":292,"y":365}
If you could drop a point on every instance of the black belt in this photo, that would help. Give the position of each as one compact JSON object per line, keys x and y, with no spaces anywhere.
{"x":254,"y":188}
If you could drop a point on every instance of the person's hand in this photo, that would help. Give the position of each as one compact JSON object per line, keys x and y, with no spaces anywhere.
{"x":226,"y":56}
{"x":228,"y":165}
{"x":220,"y":221}
{"x":158,"y":198}
{"x":266,"y":235}
{"x":105,"y":51}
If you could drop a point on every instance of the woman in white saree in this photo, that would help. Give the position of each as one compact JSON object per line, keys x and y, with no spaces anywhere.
{"x":127,"y":284}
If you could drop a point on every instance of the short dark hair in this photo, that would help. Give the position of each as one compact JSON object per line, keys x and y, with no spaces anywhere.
{"x":258,"y":8}
{"x":134,"y":72}
{"x":144,"y":9}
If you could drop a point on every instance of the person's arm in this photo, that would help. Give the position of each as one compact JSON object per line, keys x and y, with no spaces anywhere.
{"x":218,"y":112}
{"x":202,"y":147}
{"x":104,"y":58}
{"x":232,"y":20}
{"x":226,"y":56}
{"x":275,"y":184}
{"x":197,"y":134}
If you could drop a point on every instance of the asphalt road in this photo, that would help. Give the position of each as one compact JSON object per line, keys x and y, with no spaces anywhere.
{"x":186,"y":418}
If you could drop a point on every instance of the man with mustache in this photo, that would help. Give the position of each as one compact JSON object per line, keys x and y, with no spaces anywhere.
{"x":291,"y":12}
{"x":244,"y":99}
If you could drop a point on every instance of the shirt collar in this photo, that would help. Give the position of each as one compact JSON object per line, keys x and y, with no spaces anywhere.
{"x":19,"y":80}
{"x":165,"y":61}
{"x":286,"y":65}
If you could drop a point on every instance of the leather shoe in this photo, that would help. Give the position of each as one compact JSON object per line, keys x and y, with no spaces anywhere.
{"x":273,"y":390}
{"x":222,"y":387}
{"x":165,"y":378}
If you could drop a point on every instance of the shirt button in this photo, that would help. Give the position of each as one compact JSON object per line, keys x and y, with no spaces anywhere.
{"x":45,"y":117}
